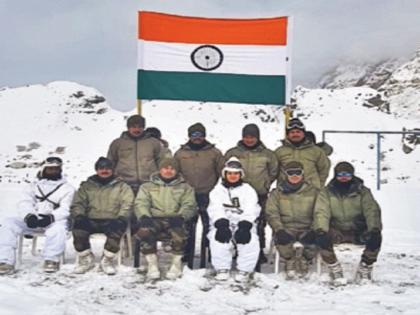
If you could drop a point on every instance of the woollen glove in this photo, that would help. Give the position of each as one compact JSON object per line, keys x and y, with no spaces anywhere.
{"x":223,"y":232}
{"x":243,"y":233}
{"x":31,"y":221}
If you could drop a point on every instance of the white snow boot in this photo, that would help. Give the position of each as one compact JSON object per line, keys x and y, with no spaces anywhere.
{"x":242,"y":277}
{"x":222,"y":275}
{"x":107,"y":263}
{"x":336,"y":274}
{"x":6,"y":269}
{"x":290,"y":268}
{"x":364,"y":273}
{"x":175,"y":271}
{"x":153,"y":272}
{"x":86,"y":261}
{"x":51,"y":266}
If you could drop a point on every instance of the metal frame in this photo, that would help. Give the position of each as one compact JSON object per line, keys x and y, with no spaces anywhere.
{"x":378,"y":145}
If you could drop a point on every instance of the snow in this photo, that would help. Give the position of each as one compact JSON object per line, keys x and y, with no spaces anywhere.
{"x":53,"y":117}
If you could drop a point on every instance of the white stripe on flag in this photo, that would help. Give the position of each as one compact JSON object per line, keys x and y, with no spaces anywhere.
{"x":237,"y":59}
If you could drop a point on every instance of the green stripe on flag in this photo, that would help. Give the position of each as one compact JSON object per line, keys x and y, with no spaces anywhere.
{"x":211,"y":87}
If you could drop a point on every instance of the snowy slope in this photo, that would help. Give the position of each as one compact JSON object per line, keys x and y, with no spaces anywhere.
{"x":44,"y":119}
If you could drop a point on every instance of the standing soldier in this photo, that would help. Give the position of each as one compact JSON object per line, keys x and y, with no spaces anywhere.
{"x":44,"y":206}
{"x":164,"y":206}
{"x":101,"y":205}
{"x":289,"y":212}
{"x":135,"y":155}
{"x":155,"y":133}
{"x":200,"y":163}
{"x":296,"y":147}
{"x":260,"y":166}
{"x":346,"y":212}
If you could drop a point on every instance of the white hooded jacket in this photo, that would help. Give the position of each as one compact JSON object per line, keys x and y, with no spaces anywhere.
{"x":234,"y":204}
{"x":58,"y":203}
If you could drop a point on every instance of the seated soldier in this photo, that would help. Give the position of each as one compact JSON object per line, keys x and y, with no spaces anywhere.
{"x":44,"y":207}
{"x":346,"y":212}
{"x":233,"y":211}
{"x":163,"y":207}
{"x":101,"y":205}
{"x":289,"y":212}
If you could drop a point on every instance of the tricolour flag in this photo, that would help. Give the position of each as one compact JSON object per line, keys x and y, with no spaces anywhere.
{"x":215,"y":60}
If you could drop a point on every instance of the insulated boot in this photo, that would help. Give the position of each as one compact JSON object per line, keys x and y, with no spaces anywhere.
{"x":153,"y":272}
{"x":86,"y":261}
{"x":107,"y":263}
{"x":175,"y":271}
{"x":51,"y":266}
{"x":242,"y":277}
{"x":290,"y":268}
{"x":222,"y":275}
{"x":336,"y":274}
{"x":302,"y":267}
{"x":6,"y":269}
{"x":364,"y":273}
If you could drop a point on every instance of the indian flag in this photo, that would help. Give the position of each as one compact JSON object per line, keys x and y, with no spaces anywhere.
{"x":213,"y":60}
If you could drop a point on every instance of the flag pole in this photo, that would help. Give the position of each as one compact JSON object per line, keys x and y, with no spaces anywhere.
{"x":288,"y":114}
{"x":139,"y":106}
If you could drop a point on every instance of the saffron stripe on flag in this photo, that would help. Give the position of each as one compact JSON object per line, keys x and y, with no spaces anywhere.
{"x":211,"y":87}
{"x":172,"y":28}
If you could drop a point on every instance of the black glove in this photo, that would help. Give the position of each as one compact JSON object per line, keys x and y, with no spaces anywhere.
{"x":374,"y":240}
{"x":308,"y":238}
{"x":283,"y":238}
{"x":31,"y":221}
{"x":82,"y":222}
{"x":223,"y":232}
{"x":46,"y":219}
{"x":323,"y":240}
{"x":176,"y":222}
{"x":145,"y":222}
{"x":119,"y":224}
{"x":243,"y":233}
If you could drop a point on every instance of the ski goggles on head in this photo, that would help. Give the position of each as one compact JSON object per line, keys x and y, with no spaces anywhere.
{"x":197,"y":134}
{"x":295,"y":124}
{"x":234,"y":165}
{"x":52,"y":161}
{"x":344,"y":174}
{"x":294,"y":172}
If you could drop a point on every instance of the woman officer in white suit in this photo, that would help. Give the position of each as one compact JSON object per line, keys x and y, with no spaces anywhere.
{"x":232,"y":211}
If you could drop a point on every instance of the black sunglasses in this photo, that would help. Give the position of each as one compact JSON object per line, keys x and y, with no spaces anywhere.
{"x":294,"y":172}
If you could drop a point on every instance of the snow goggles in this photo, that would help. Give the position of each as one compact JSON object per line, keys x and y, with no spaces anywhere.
{"x":197,"y":134}
{"x":344,"y":174}
{"x":52,"y":161}
{"x":294,"y":123}
{"x":294,"y":172}
{"x":234,"y":165}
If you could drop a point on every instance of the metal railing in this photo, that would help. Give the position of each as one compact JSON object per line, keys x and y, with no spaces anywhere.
{"x":378,"y":145}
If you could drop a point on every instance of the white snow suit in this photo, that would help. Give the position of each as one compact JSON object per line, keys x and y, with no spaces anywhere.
{"x":33,"y":201}
{"x":234,"y":204}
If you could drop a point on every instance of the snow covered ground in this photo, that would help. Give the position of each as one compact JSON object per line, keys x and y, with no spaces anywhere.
{"x":57,"y":116}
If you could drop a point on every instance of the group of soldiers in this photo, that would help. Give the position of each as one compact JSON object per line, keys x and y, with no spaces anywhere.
{"x":142,"y":187}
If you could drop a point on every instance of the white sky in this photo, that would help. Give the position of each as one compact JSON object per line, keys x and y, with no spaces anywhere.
{"x":93,"y":42}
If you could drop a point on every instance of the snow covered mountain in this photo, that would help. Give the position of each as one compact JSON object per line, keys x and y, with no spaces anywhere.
{"x":76,"y":123}
{"x":396,"y":81}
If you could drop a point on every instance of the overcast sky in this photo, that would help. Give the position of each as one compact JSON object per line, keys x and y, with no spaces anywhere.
{"x":93,"y":42}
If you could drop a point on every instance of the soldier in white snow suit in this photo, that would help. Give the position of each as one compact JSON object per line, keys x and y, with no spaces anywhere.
{"x":233,"y":211}
{"x":44,"y":207}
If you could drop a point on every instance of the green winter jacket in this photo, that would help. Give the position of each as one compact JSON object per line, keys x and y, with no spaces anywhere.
{"x":98,"y":201}
{"x":316,"y":164}
{"x":341,"y":212}
{"x":291,"y":210}
{"x":200,"y":168}
{"x":135,"y":159}
{"x":159,"y":199}
{"x":260,"y":165}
